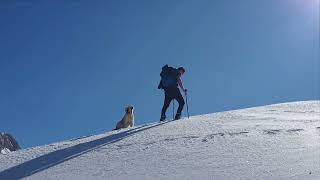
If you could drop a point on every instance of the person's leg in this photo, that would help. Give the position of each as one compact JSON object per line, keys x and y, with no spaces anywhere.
{"x":166,"y":104}
{"x":181,"y":102}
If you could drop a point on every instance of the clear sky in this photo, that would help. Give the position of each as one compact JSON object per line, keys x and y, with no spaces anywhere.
{"x":68,"y":69}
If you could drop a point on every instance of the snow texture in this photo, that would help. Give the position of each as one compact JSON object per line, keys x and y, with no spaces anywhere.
{"x":279,"y":141}
{"x":5,"y":151}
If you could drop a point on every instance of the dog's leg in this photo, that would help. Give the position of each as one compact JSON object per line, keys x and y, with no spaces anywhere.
{"x":131,"y":123}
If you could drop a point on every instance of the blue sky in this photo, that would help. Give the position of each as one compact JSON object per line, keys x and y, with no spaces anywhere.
{"x":68,"y":69}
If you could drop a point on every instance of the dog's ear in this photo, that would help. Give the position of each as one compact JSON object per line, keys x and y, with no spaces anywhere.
{"x":126,"y":109}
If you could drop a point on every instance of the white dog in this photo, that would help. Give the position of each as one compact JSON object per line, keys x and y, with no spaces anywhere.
{"x":127,"y":120}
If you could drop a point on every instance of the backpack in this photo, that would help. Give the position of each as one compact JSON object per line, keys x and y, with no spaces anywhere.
{"x":168,"y":77}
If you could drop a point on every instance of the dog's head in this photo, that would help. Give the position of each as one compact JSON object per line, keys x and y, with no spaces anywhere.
{"x":129,"y":110}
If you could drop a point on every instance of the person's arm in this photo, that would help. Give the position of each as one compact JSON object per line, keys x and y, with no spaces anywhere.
{"x":180,"y":83}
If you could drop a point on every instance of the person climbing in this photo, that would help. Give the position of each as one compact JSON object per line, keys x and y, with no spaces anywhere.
{"x":170,"y":79}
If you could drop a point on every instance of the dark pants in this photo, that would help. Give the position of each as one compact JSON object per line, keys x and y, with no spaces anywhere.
{"x":171,"y":94}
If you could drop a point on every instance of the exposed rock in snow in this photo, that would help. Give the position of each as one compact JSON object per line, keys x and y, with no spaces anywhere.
{"x":8,"y":143}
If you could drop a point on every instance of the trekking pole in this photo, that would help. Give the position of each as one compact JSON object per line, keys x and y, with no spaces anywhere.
{"x":173,"y":109}
{"x":187,"y":103}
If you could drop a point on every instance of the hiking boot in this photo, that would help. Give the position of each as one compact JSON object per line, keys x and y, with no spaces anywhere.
{"x":178,"y":116}
{"x":163,"y":118}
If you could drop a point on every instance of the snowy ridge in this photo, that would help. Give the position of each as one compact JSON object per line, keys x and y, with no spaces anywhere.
{"x":280,"y":141}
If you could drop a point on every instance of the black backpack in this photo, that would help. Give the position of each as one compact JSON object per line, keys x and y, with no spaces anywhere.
{"x":168,"y":77}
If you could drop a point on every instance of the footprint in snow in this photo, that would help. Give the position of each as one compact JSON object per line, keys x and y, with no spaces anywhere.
{"x":190,"y":137}
{"x":272,"y":110}
{"x":149,"y":143}
{"x":120,"y":146}
{"x":272,"y":131}
{"x":170,"y":139}
{"x":294,"y":130}
{"x":185,"y":137}
{"x":238,"y":133}
{"x":212,"y":136}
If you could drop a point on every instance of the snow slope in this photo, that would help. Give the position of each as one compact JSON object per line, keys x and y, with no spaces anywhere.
{"x":279,"y":141}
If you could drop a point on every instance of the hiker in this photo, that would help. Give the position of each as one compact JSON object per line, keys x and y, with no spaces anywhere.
{"x":170,"y":79}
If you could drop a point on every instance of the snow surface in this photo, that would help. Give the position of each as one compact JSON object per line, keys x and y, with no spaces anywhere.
{"x":5,"y":151}
{"x":279,"y":141}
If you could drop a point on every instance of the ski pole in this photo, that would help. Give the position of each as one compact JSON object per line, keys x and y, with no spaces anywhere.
{"x":187,"y":103}
{"x":173,"y":109}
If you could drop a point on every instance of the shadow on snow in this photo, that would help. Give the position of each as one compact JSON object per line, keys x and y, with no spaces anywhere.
{"x":46,"y":161}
